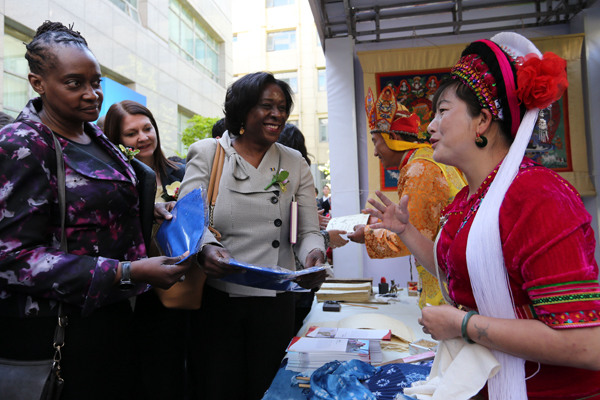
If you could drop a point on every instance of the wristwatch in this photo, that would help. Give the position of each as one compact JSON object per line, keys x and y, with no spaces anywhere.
{"x":126,"y":283}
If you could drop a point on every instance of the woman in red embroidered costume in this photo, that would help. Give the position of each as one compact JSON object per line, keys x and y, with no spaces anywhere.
{"x":516,"y":243}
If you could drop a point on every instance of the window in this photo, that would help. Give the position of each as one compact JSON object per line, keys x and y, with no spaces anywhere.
{"x":323,"y":137}
{"x":235,"y":37}
{"x":283,"y":40}
{"x":183,"y":119}
{"x":130,"y":7}
{"x":16,"y":90}
{"x":277,"y":3}
{"x":291,"y":78}
{"x":322,"y":80}
{"x":193,"y":41}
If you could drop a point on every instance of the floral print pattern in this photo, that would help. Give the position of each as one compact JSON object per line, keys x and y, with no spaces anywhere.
{"x":102,"y":220}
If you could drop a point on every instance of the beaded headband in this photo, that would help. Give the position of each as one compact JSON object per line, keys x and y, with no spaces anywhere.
{"x":474,"y":72}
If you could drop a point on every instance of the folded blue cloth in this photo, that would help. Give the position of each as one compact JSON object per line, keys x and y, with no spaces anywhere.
{"x":341,"y":380}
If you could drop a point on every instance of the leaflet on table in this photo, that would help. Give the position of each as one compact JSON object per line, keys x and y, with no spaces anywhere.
{"x":341,"y":333}
{"x":185,"y":230}
{"x":347,"y":222}
{"x":274,"y":278}
{"x":303,"y":344}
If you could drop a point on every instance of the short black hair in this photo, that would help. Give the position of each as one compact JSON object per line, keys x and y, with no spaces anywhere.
{"x":48,"y":35}
{"x":293,"y":138}
{"x":245,"y":93}
{"x":218,"y":128}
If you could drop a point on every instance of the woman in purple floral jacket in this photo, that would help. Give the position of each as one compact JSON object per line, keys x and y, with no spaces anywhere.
{"x":105,"y":263}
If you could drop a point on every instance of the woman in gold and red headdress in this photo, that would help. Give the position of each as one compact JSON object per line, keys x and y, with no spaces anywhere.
{"x":516,"y":245}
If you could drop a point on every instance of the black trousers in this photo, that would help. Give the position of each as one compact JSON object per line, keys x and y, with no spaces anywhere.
{"x":161,"y":342}
{"x":238,"y":343}
{"x":97,"y":356}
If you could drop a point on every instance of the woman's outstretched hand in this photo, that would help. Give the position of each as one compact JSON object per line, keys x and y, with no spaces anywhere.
{"x":315,"y":279}
{"x":162,"y":211}
{"x":393,"y":217}
{"x":215,"y":261}
{"x":161,"y":271}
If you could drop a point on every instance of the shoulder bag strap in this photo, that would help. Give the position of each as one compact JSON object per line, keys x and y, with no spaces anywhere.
{"x":61,"y":185}
{"x":215,"y":178}
{"x":59,"y":332}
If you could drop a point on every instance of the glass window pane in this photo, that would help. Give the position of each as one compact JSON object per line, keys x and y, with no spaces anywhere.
{"x":214,"y":62}
{"x":14,"y":56}
{"x":291,"y":78}
{"x":187,"y":39}
{"x":16,"y":92}
{"x":173,"y":27}
{"x":323,"y":130}
{"x":186,"y":16}
{"x":200,"y":50}
{"x":277,"y":3}
{"x":120,"y":3}
{"x":285,"y":40}
{"x":270,"y":45}
{"x":322,"y":80}
{"x":174,"y":5}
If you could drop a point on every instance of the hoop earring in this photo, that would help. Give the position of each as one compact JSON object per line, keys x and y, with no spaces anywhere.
{"x":481,"y":141}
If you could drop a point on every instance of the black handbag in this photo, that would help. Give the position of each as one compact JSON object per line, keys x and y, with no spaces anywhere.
{"x":40,"y":380}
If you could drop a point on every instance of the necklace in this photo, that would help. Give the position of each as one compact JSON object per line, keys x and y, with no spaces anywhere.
{"x":473,"y":210}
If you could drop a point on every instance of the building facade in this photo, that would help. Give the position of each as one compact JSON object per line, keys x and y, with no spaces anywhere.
{"x":280,"y":36}
{"x":174,"y":55}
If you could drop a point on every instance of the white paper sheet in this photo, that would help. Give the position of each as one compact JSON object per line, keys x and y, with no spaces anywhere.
{"x":347,"y":222}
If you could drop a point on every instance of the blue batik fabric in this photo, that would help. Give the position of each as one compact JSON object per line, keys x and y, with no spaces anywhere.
{"x":389,"y":381}
{"x":341,"y":380}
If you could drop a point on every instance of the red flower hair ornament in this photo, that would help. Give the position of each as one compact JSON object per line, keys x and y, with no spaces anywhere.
{"x":541,"y":81}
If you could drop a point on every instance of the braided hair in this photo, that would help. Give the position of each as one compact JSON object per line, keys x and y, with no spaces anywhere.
{"x":47,"y":36}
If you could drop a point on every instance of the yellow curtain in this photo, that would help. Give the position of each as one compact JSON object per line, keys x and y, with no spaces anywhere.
{"x":438,"y":57}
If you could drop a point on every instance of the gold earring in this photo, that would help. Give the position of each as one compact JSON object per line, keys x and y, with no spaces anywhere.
{"x":242,"y":130}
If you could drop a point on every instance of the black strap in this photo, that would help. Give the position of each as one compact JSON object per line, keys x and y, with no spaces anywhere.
{"x":59,"y":332}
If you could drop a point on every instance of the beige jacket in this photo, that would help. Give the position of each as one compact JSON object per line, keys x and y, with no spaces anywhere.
{"x":255,"y":223}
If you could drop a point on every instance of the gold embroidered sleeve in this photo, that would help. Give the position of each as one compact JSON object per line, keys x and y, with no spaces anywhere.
{"x":428,"y":194}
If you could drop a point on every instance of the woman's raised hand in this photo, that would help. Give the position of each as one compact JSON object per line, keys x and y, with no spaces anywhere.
{"x":393,"y":217}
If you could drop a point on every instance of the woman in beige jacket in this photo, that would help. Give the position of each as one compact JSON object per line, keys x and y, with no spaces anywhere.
{"x":242,"y":330}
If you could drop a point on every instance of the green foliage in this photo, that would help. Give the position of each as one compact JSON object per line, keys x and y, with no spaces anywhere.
{"x":199,"y":127}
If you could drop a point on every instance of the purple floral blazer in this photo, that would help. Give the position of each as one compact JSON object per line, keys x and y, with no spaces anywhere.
{"x":102,"y":221}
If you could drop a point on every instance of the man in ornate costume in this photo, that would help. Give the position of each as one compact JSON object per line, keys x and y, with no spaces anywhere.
{"x":431,"y":186}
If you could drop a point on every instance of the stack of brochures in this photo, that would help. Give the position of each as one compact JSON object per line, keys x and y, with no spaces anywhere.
{"x":359,"y":292}
{"x":322,"y":345}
